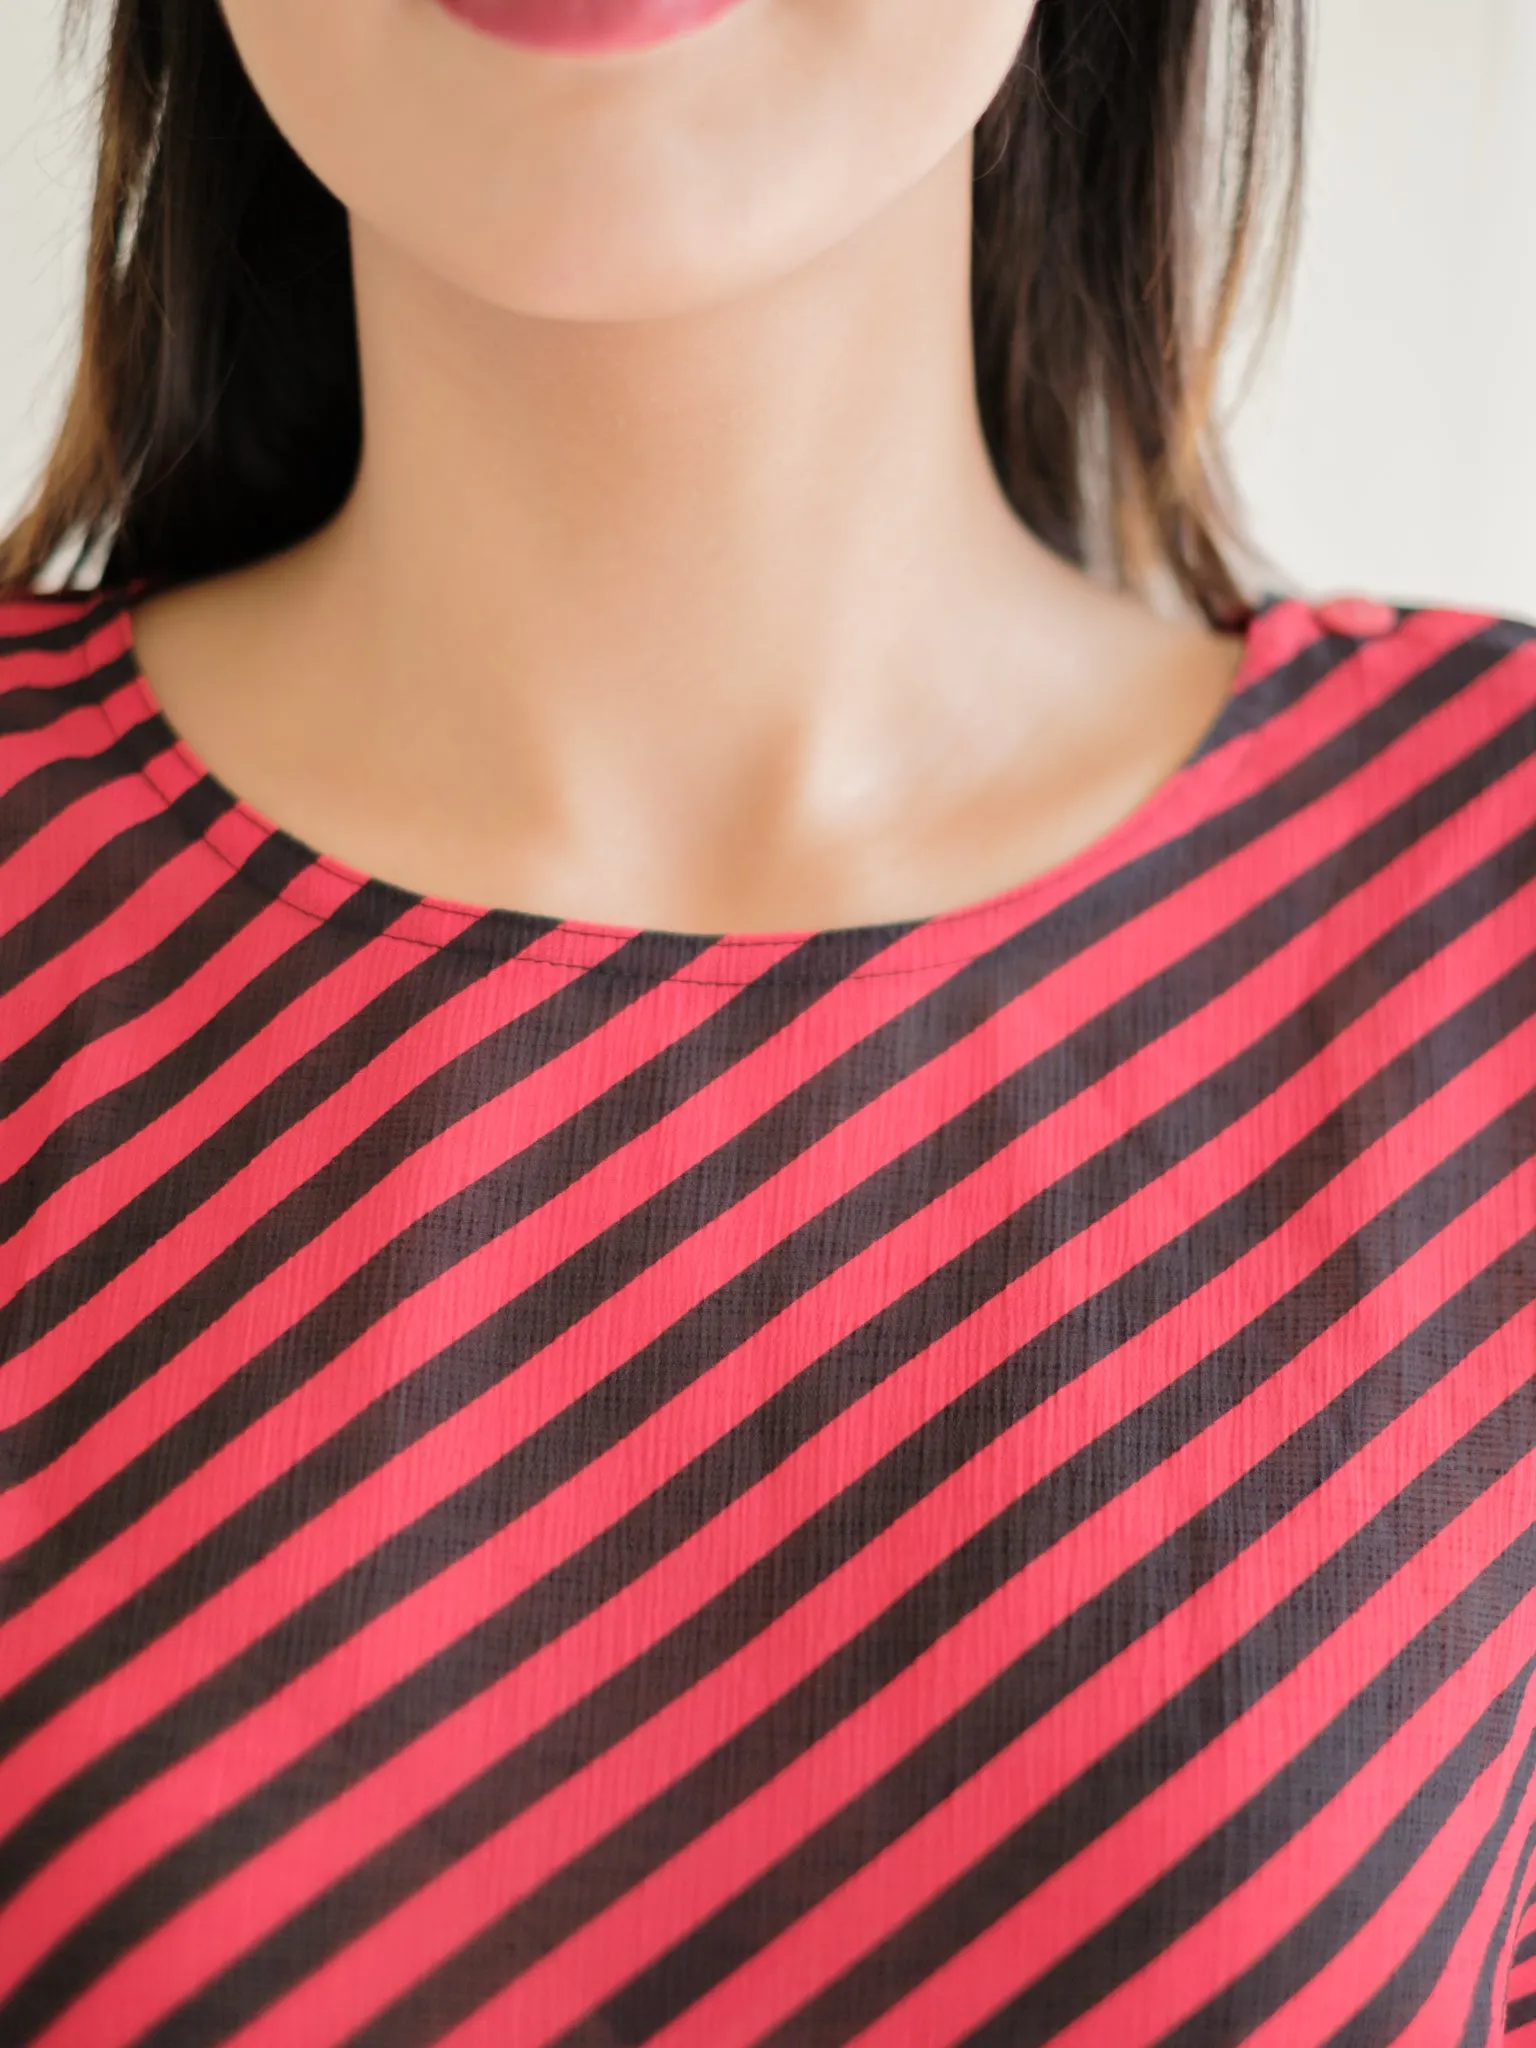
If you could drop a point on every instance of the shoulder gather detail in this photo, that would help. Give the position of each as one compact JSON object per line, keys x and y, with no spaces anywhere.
{"x":1358,"y":618}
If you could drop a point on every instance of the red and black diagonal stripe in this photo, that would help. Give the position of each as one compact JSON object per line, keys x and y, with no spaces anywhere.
{"x":965,"y":1481}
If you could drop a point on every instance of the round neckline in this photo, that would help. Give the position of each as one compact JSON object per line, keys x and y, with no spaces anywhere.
{"x":329,"y":890}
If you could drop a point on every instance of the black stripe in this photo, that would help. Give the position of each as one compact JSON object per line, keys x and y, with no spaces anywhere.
{"x":1395,"y":2004}
{"x":29,"y":710}
{"x":540,"y":1171}
{"x":1302,"y":1789}
{"x":718,"y":1324}
{"x":481,"y":1074}
{"x":1420,"y":830}
{"x":1048,"y":1840}
{"x":1120,"y":896}
{"x":54,"y":635}
{"x":1027,"y":1529}
{"x":1486,"y":2019}
{"x":118,"y":998}
{"x":42,"y":796}
{"x":101,"y":1127}
{"x":1105,"y":1627}
{"x":448,"y":1094}
{"x":525,"y":1474}
{"x":104,"y":1125}
{"x":101,"y":885}
{"x":1305,"y":1950}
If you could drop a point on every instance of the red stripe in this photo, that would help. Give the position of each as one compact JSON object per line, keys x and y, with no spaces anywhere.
{"x":29,"y":668}
{"x":415,"y":1185}
{"x":691,"y":1727}
{"x":44,"y":863}
{"x":1311,"y":721}
{"x":494,"y":1573}
{"x":435,"y":1172}
{"x":105,"y":1063}
{"x":27,"y":614}
{"x":1449,"y":2006}
{"x":101,"y":1190}
{"x":77,"y":1333}
{"x":575,"y":1978}
{"x":427,"y":1310}
{"x":1249,"y":1920}
{"x":233,"y":1915}
{"x":1521,"y":1982}
{"x":827,"y":1941}
{"x":1085,"y":1894}
{"x":79,"y":735}
{"x":162,"y":902}
{"x":1347,"y":1981}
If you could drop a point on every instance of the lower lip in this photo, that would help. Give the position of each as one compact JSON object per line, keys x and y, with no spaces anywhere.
{"x":587,"y":27}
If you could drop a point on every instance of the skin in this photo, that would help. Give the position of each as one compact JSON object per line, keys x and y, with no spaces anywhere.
{"x":676,"y":589}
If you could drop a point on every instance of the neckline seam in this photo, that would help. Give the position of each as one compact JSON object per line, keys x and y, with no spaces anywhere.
{"x":495,"y":925}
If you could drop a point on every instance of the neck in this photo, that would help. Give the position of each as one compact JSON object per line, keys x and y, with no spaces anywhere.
{"x":708,"y":621}
{"x":759,"y":514}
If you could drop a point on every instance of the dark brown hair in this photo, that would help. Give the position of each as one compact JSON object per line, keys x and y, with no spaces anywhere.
{"x":1121,"y":175}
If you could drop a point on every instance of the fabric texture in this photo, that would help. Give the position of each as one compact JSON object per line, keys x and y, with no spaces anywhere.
{"x":972,"y":1480}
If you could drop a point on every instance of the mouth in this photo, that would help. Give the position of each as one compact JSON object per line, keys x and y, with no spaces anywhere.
{"x":587,"y":27}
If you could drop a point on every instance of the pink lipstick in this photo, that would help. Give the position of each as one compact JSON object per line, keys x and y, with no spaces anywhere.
{"x":587,"y":27}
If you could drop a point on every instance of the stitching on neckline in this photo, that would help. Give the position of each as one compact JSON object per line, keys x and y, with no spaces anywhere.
{"x":492,"y":923}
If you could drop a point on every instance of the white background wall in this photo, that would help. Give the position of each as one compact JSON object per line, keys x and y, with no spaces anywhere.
{"x":1388,"y":444}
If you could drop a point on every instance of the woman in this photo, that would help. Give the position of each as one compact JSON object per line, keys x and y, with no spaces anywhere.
{"x":891,"y":1398}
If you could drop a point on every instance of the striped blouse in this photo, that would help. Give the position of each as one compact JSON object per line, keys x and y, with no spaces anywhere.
{"x":970,"y":1480}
